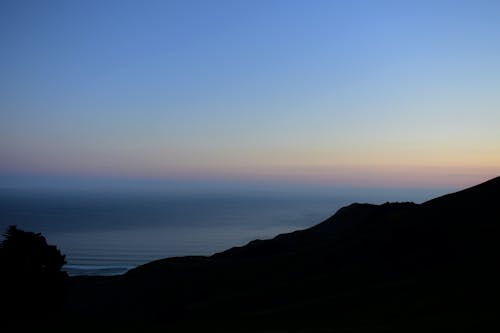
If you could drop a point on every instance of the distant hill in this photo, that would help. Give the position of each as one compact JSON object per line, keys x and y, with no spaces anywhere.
{"x":399,"y":267}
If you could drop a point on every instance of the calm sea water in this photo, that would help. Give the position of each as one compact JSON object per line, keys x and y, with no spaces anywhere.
{"x":109,"y":233}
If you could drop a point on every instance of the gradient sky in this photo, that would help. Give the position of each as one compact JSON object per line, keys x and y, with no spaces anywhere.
{"x":370,"y":93}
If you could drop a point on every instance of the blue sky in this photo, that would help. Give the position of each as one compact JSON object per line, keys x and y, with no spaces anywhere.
{"x":337,"y":92}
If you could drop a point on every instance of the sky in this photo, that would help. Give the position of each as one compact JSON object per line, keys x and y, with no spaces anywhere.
{"x":346,"y":93}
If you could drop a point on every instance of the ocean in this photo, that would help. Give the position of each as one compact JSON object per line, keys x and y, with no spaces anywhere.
{"x":110,"y":232}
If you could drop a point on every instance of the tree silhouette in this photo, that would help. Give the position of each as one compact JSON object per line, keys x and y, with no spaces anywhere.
{"x":32,"y":282}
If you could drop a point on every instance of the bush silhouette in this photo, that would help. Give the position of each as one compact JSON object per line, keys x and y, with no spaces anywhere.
{"x":32,"y":282}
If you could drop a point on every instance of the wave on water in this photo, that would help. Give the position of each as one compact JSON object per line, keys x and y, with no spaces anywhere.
{"x":74,"y":270}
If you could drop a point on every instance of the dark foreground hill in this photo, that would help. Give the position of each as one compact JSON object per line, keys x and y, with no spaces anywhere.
{"x":392,"y":267}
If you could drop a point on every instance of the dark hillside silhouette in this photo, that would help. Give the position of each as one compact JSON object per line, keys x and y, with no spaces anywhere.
{"x":400,"y":267}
